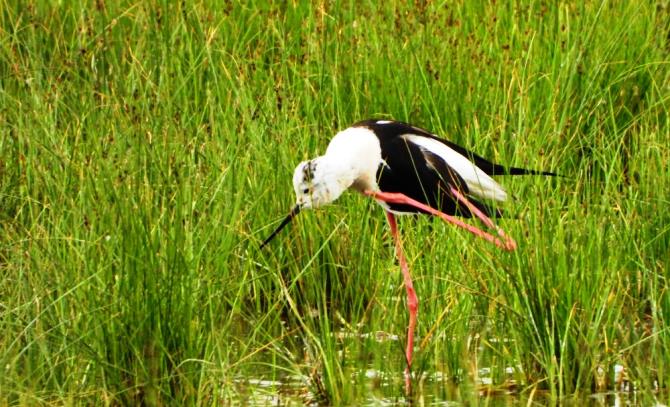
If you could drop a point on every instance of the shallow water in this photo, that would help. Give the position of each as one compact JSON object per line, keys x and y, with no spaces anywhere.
{"x":373,"y":386}
{"x":430,"y":391}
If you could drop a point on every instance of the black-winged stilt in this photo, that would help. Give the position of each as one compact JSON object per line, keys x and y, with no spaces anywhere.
{"x":406,"y":170}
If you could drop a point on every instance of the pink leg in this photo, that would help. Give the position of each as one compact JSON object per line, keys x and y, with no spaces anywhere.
{"x":412,"y":300}
{"x":510,"y":244}
{"x":394,"y":197}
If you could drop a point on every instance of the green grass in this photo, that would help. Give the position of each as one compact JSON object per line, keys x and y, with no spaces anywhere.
{"x":146,"y":149}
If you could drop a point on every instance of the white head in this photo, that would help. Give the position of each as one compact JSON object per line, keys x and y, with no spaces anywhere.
{"x":319,"y":182}
{"x":316,"y":182}
{"x":351,"y":160}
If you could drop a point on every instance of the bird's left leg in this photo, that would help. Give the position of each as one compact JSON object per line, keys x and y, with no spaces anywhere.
{"x":412,"y":300}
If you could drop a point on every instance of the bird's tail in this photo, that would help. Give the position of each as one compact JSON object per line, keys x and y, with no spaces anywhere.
{"x":521,"y":171}
{"x":496,"y":169}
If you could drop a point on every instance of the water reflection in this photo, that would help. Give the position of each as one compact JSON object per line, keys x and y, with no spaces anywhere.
{"x":376,"y":378}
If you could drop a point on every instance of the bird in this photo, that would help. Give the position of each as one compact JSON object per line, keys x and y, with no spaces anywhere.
{"x":407,"y":170}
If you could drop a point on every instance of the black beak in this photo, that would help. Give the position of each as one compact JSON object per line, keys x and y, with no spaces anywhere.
{"x":291,"y":215}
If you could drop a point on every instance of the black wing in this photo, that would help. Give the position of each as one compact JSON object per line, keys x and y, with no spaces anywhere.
{"x":421,"y":175}
{"x":389,"y":129}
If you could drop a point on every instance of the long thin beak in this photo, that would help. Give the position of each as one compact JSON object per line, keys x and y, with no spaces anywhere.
{"x":291,"y":215}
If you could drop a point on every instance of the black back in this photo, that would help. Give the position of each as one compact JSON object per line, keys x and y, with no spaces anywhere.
{"x":424,"y":176}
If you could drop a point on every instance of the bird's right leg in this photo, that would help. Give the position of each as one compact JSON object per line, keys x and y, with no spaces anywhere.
{"x":399,"y":198}
{"x":510,"y":244}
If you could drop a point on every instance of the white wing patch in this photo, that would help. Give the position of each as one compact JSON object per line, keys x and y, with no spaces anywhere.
{"x":478,"y":182}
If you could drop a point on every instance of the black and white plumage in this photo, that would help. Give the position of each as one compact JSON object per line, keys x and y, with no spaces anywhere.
{"x":423,"y":166}
{"x":406,"y":170}
{"x":391,"y":156}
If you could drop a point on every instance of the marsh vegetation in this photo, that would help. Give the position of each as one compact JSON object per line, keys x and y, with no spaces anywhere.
{"x":147,"y":149}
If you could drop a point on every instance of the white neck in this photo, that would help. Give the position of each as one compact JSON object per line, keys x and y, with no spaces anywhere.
{"x":335,"y":174}
{"x":353,"y":156}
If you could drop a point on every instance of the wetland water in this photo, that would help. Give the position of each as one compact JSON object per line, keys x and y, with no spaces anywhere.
{"x":372,"y":385}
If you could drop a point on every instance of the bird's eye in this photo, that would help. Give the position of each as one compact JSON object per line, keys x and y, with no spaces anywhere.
{"x":306,"y":190}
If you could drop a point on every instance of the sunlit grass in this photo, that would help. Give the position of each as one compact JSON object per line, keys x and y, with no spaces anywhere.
{"x":147,"y":148}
